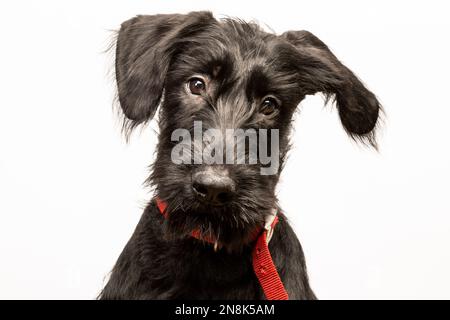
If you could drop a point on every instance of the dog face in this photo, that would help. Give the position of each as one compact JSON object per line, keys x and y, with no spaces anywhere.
{"x":226,"y":75}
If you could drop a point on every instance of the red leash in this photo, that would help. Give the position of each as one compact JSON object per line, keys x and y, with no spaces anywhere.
{"x":263,"y":265}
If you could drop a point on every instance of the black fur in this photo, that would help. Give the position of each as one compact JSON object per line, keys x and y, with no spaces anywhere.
{"x":155,"y":58}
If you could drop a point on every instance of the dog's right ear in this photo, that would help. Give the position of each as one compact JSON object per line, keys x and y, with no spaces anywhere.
{"x":144,"y":49}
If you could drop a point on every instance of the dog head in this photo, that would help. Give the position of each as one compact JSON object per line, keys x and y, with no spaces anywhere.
{"x":223,"y":75}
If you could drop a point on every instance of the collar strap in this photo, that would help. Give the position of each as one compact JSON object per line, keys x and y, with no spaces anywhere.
{"x":263,"y":265}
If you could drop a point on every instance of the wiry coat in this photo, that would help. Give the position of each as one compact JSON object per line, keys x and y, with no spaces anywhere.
{"x":241,"y":64}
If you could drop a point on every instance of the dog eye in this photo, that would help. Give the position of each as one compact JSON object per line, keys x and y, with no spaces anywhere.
{"x":268,"y":106}
{"x":197,"y":86}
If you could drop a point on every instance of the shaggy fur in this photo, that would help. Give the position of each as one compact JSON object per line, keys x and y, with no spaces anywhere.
{"x":156,"y":56}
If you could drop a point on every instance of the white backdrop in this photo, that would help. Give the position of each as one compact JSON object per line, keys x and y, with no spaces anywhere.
{"x":373,"y":225}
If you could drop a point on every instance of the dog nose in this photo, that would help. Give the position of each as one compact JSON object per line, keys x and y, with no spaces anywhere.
{"x":213,"y":188}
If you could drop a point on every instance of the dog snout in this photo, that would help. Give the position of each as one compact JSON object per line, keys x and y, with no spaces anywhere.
{"x":213,"y":187}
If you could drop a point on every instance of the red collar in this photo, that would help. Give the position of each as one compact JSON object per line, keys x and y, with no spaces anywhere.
{"x":263,"y":265}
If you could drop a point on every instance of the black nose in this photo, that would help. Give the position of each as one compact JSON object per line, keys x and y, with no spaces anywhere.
{"x":213,"y":188}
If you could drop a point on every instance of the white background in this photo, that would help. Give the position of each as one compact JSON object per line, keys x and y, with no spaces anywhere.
{"x":373,"y":225}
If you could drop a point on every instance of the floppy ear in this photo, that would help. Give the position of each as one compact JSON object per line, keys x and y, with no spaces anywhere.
{"x":321,"y":71}
{"x":144,"y":49}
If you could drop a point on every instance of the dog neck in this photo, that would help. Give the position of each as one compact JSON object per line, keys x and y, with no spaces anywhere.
{"x":263,"y":264}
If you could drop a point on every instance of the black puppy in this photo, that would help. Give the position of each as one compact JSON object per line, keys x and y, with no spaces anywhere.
{"x":226,"y":74}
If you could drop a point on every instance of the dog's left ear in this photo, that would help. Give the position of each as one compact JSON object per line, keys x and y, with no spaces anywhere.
{"x":145,"y":47}
{"x":320,"y":71}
